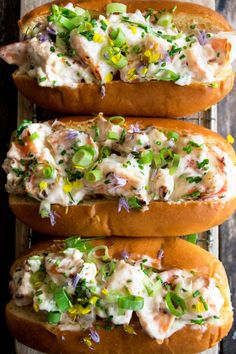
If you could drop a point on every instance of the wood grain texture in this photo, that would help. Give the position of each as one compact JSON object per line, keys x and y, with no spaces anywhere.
{"x":227,"y":125}
{"x":9,"y":13}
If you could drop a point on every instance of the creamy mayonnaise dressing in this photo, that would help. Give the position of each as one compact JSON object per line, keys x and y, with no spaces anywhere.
{"x":56,"y":164}
{"x":113,"y":289}
{"x":84,"y":49}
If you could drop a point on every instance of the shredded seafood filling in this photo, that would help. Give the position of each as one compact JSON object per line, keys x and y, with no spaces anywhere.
{"x":56,"y":163}
{"x":78,"y":285}
{"x":72,"y":46}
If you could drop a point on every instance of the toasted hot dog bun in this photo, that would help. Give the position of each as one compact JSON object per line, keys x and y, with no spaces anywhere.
{"x":101,"y":217}
{"x":154,"y":98}
{"x":31,"y":329}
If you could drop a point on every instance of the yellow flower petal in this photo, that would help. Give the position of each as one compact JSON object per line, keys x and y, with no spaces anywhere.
{"x":43,"y":185}
{"x":93,"y":300}
{"x":129,"y":329}
{"x":36,"y":307}
{"x":67,"y":188}
{"x":88,"y":26}
{"x":200,"y":307}
{"x":132,"y":74}
{"x":105,"y":291}
{"x":230,"y":139}
{"x":77,"y":184}
{"x":144,"y":71}
{"x":133,"y":29}
{"x":108,"y":77}
{"x":98,"y":38}
{"x":87,"y":341}
{"x":116,"y":58}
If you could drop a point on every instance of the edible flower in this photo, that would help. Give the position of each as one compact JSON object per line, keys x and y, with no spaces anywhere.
{"x":123,"y":203}
{"x":152,"y":57}
{"x":98,"y":38}
{"x":94,"y":336}
{"x":200,"y":307}
{"x":132,"y":74}
{"x":230,"y":138}
{"x":87,"y":341}
{"x":133,"y":29}
{"x":129,"y":329}
{"x":105,"y":291}
{"x":43,"y":185}
{"x":108,"y":77}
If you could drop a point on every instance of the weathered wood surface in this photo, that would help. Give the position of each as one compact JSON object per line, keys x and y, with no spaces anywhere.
{"x":9,"y":13}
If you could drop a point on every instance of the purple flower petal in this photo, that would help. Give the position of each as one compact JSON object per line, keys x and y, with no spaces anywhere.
{"x":94,"y":335}
{"x":123,"y":203}
{"x":43,"y":38}
{"x":103,"y":91}
{"x":160,"y":254}
{"x":124,"y":255}
{"x":135,"y":128}
{"x":51,"y":30}
{"x":72,"y":134}
{"x":52,"y":215}
{"x":75,"y":280}
{"x":202,"y":37}
{"x":153,"y":175}
{"x":116,"y":181}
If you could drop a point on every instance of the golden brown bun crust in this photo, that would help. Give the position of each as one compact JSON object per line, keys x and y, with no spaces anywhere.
{"x":101,"y":217}
{"x":30,"y":329}
{"x":155,"y":98}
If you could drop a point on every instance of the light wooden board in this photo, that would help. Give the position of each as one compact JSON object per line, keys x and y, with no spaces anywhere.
{"x":26,"y":109}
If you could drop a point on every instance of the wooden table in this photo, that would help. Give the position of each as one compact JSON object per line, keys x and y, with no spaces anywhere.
{"x":9,"y":14}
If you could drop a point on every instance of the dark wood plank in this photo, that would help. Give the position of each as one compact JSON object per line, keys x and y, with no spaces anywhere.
{"x":9,"y":13}
{"x":227,"y":125}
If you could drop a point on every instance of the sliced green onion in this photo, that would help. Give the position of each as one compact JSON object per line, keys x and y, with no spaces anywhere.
{"x":201,"y":321}
{"x":173,"y":135}
{"x":203,"y":302}
{"x":104,"y":257}
{"x":134,"y":203}
{"x":121,"y":63}
{"x":48,"y":171}
{"x":112,"y":135}
{"x":117,"y":120}
{"x":192,"y":238}
{"x":65,"y":22}
{"x":116,"y":7}
{"x":37,"y":277}
{"x":93,"y":175}
{"x":55,"y":9}
{"x":122,"y":137}
{"x":34,"y":136}
{"x":105,"y":151}
{"x":165,"y":20}
{"x":53,"y":317}
{"x":108,"y":269}
{"x":131,"y":302}
{"x":107,"y":53}
{"x":77,"y":21}
{"x":153,"y":290}
{"x":166,"y":75}
{"x":84,"y":156}
{"x":62,"y":300}
{"x":175,"y":304}
{"x":24,"y":124}
{"x":146,"y":157}
{"x":67,"y":12}
{"x":196,"y":293}
{"x":175,"y":164}
{"x":118,"y":37}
